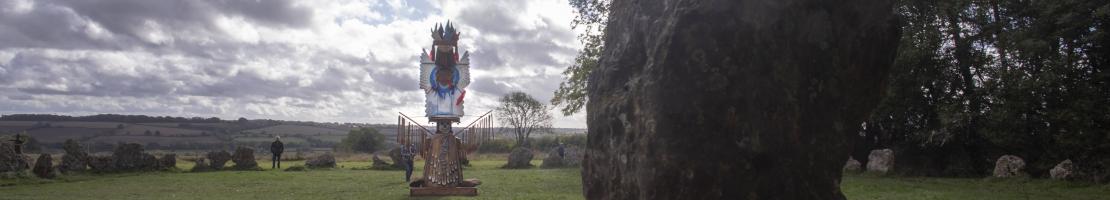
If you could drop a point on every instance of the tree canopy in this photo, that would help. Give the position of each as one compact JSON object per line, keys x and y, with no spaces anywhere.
{"x":524,"y":115}
{"x":362,"y":140}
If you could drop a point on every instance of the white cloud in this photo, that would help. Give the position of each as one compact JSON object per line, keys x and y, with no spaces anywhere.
{"x":341,"y":60}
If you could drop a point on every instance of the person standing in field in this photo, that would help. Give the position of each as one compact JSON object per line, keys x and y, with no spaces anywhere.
{"x":276,"y":148}
{"x":562,"y":148}
{"x":408,"y":153}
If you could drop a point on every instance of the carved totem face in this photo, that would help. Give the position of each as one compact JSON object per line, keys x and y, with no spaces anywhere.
{"x":445,"y":65}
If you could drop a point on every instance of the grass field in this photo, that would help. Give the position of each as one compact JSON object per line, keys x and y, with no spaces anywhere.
{"x":345,"y":183}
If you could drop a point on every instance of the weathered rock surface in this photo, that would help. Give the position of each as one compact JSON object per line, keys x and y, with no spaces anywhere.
{"x":10,"y":161}
{"x":1009,"y":166}
{"x":130,"y":157}
{"x":852,"y":165}
{"x":1062,"y":170}
{"x":395,"y":156}
{"x":572,"y":157}
{"x":44,"y":166}
{"x":553,"y":160}
{"x":322,"y":161}
{"x":75,"y":159}
{"x":168,"y":161}
{"x":244,"y":159}
{"x":880,"y":160}
{"x":378,"y":163}
{"x":519,"y":158}
{"x":201,"y":165}
{"x":102,"y":164}
{"x":218,"y":159}
{"x":733,"y":99}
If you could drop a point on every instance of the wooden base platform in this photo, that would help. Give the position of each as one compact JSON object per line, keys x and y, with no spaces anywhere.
{"x":443,"y":191}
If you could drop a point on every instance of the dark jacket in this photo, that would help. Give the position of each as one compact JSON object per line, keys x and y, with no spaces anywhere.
{"x":277,"y":147}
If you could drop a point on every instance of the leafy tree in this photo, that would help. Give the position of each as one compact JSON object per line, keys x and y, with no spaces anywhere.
{"x":363,"y":140}
{"x":524,"y":115}
{"x":974,"y":80}
{"x":591,"y":17}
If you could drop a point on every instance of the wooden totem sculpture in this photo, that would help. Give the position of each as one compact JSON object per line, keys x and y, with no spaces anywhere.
{"x":444,"y":76}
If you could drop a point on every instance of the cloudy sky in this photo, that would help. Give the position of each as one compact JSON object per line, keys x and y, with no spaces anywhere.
{"x":331,"y":61}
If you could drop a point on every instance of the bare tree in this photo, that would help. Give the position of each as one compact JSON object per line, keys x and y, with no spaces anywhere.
{"x":524,"y":115}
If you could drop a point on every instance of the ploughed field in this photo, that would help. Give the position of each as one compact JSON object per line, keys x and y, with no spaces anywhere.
{"x":535,"y":183}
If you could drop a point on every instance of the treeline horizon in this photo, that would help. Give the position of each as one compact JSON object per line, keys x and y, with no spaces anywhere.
{"x":148,"y":119}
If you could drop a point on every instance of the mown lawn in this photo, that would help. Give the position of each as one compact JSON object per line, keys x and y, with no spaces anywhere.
{"x":875,"y":187}
{"x":345,"y":183}
{"x":340,"y":183}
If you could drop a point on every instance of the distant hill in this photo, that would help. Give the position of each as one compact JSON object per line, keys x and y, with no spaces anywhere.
{"x":101,"y":132}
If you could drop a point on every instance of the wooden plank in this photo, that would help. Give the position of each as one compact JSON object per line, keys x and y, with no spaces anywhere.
{"x":443,"y":191}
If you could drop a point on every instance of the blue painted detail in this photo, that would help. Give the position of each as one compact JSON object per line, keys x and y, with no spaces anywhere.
{"x":441,"y":91}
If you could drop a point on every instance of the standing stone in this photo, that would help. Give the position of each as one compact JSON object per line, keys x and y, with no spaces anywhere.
{"x":553,"y":160}
{"x":244,"y":159}
{"x":1062,"y":170}
{"x":130,"y":157}
{"x":1009,"y":166}
{"x":75,"y":159}
{"x":11,"y":161}
{"x":519,"y":158}
{"x":322,"y":161}
{"x":218,"y":159}
{"x":572,"y":156}
{"x":168,"y":161}
{"x":200,"y":165}
{"x":852,"y":165}
{"x":44,"y":166}
{"x":378,"y":163}
{"x":102,"y":164}
{"x":395,"y":156}
{"x":733,"y":99}
{"x":880,"y":160}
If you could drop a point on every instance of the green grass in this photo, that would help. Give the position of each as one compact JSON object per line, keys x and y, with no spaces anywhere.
{"x":339,"y":183}
{"x":345,"y":183}
{"x":876,"y":187}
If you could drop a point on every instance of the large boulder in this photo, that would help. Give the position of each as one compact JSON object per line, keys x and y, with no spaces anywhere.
{"x":733,"y":99}
{"x":519,"y":158}
{"x":73,"y":163}
{"x":572,"y":157}
{"x":322,"y":161}
{"x":102,"y":164}
{"x":395,"y":156}
{"x":75,"y":159}
{"x":218,"y":159}
{"x":168,"y":161}
{"x":1009,"y":166}
{"x":1062,"y":170}
{"x":880,"y":161}
{"x":244,"y":159}
{"x":44,"y":166}
{"x":378,"y":163}
{"x":852,"y":165}
{"x":11,"y":161}
{"x":130,"y":157}
{"x":200,"y":165}
{"x":553,"y":160}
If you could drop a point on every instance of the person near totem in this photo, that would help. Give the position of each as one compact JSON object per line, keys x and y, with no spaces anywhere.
{"x":276,"y":148}
{"x":18,"y":141}
{"x":407,"y":154}
{"x":561,"y":149}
